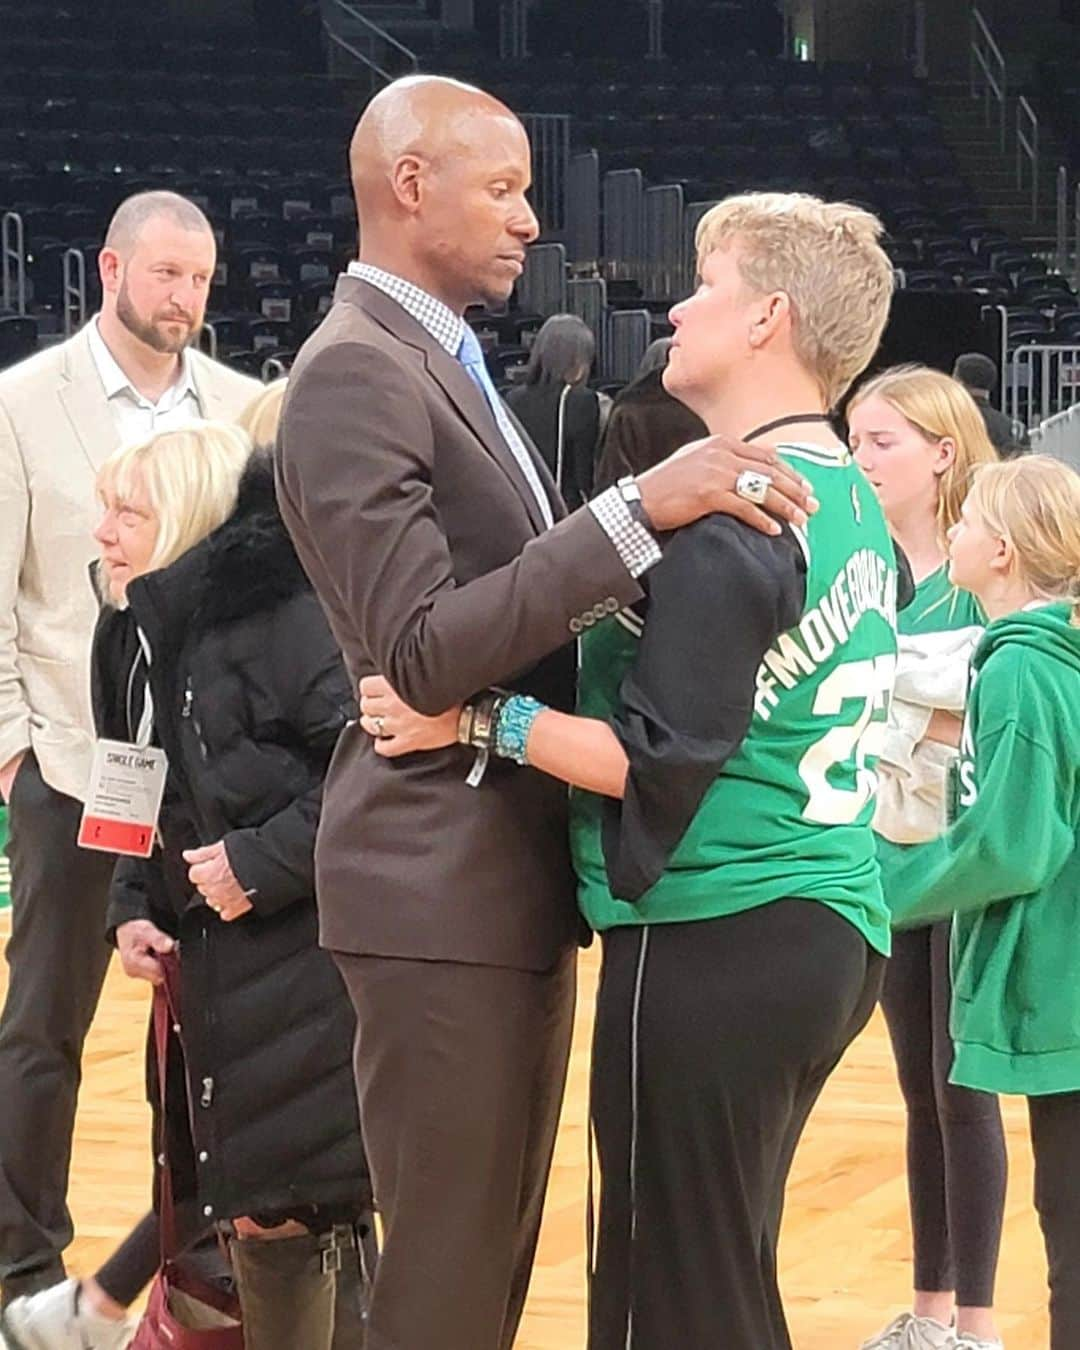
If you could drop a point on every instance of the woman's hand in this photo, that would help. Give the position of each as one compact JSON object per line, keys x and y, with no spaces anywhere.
{"x":945,"y":728}
{"x":395,"y":728}
{"x":140,"y":943}
{"x":212,"y":876}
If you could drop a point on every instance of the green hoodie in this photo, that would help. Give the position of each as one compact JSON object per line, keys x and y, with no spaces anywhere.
{"x":1009,"y":868}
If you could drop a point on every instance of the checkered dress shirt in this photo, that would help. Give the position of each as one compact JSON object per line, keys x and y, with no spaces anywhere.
{"x":635,"y":544}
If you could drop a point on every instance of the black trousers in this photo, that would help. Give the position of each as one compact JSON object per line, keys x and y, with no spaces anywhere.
{"x":1055,"y":1141}
{"x":712,"y":1043}
{"x":57,"y":957}
{"x":460,"y":1072}
{"x":957,"y":1165}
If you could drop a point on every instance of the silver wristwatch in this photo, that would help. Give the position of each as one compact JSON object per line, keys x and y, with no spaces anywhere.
{"x":631,"y":495}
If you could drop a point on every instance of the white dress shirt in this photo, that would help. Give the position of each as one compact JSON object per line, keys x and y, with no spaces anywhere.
{"x":135,"y":416}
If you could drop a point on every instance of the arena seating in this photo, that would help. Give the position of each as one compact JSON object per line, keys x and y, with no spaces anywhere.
{"x":616,"y":30}
{"x":855,"y":132}
{"x":1055,"y":94}
{"x":260,"y":141}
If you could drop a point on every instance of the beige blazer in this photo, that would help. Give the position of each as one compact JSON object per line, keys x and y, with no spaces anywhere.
{"x":56,"y":430}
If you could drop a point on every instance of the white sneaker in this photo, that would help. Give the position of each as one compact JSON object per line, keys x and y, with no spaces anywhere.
{"x":927,"y":1333}
{"x":966,"y":1341}
{"x":908,"y":1332}
{"x":54,"y":1320}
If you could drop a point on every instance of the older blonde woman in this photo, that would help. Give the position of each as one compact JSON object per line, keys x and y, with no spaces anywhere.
{"x":213,"y":644}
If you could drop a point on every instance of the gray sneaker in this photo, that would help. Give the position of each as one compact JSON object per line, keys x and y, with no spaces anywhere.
{"x":54,"y":1320}
{"x":908,"y":1332}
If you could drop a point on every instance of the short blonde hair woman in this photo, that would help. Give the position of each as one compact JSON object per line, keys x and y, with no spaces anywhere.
{"x":731,"y":869}
{"x":919,"y":438}
{"x":1007,"y":873}
{"x":216,"y":648}
{"x":825,"y":259}
{"x":164,"y":495}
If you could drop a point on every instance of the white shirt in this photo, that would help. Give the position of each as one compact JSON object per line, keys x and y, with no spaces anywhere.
{"x":135,"y":416}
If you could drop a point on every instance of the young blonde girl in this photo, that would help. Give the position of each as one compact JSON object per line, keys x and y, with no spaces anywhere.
{"x":1008,"y":871}
{"x":918,"y":437}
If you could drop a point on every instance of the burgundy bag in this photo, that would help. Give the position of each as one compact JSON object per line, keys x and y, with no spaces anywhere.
{"x":184,"y":1312}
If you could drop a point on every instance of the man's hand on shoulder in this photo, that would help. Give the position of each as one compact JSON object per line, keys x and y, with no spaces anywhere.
{"x":700,"y":479}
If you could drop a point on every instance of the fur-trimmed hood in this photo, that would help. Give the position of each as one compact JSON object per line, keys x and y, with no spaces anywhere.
{"x":250,"y":563}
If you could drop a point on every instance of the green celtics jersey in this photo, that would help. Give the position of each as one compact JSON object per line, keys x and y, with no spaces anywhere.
{"x":940,"y":607}
{"x":789,"y":813}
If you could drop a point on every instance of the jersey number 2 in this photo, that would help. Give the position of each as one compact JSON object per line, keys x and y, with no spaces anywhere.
{"x":845,"y":749}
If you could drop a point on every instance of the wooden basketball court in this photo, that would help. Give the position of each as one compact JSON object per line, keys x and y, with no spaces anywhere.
{"x":844,"y":1257}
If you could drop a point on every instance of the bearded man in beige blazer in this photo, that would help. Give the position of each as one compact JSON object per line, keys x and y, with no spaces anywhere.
{"x":128,"y":373}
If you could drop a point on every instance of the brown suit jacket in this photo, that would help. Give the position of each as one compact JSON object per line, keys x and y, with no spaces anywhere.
{"x":427,"y":549}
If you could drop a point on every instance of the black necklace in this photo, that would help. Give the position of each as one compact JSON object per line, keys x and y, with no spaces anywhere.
{"x":784,"y":422}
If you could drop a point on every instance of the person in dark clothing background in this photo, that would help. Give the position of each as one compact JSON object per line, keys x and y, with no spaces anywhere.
{"x":647,"y":423}
{"x":979,"y":376}
{"x":556,"y":407}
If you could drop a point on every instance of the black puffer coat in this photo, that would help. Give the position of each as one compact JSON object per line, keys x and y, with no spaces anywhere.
{"x":249,"y":696}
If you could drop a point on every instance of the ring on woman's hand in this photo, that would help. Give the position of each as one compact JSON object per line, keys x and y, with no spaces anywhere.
{"x":379,"y":724}
{"x":753,"y":486}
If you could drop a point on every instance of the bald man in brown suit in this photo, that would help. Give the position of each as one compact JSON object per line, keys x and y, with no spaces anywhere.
{"x":446,"y":562}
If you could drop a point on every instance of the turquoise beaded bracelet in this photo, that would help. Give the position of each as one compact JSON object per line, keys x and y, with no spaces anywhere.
{"x":514,"y":723}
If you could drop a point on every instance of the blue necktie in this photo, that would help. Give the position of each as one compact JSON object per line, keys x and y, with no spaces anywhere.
{"x":472,"y":358}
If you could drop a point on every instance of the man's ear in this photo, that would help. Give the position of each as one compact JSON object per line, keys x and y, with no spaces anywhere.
{"x":110,"y":269}
{"x":406,"y":180}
